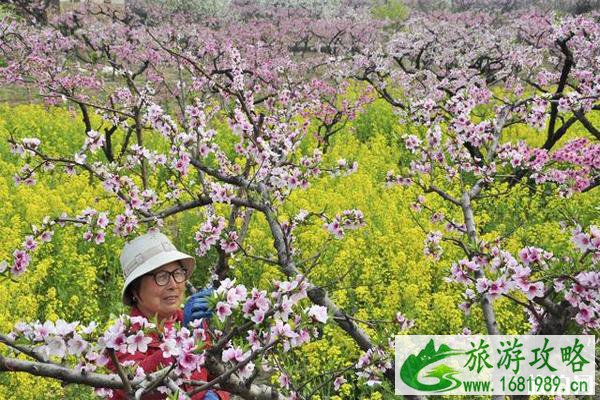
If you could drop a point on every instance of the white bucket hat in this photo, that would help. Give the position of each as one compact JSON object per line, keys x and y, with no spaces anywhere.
{"x":146,"y":253}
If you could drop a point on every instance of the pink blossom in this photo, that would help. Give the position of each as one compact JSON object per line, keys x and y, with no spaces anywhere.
{"x":498,"y":288}
{"x":590,"y":279}
{"x":225,"y":285}
{"x":209,"y":233}
{"x":21,"y":261}
{"x":94,"y":141}
{"x":471,"y":265}
{"x":139,"y":321}
{"x":530,"y":255}
{"x":111,"y":184}
{"x":64,"y":328}
{"x":116,"y":341}
{"x":102,"y":220}
{"x":43,"y":331}
{"x":229,"y":244}
{"x":188,"y":362}
{"x":30,"y":243}
{"x":169,"y":348}
{"x":338,"y":382}
{"x":559,"y":285}
{"x":223,"y":310}
{"x":258,"y":316}
{"x":204,"y":150}
{"x":31,"y":143}
{"x":281,"y":329}
{"x":303,"y":337}
{"x":138,"y":342}
{"x":164,"y":390}
{"x":76,"y":345}
{"x":318,"y":313}
{"x":246,"y":371}
{"x":90,"y":328}
{"x":432,"y":245}
{"x":521,"y":272}
{"x":139,"y":373}
{"x":221,"y":193}
{"x":585,"y":315}
{"x":364,"y":359}
{"x":182,"y":164}
{"x":285,"y":286}
{"x":260,"y":299}
{"x":30,"y":181}
{"x":284,"y":381}
{"x":458,"y":274}
{"x":335,"y":229}
{"x":582,"y":241}
{"x":373,"y":381}
{"x":534,"y":290}
{"x":102,"y":360}
{"x":104,"y":392}
{"x":392,"y":179}
{"x":482,"y":285}
{"x":404,"y":322}
{"x":46,"y":236}
{"x":85,"y":368}
{"x":253,"y":339}
{"x":232,"y":353}
{"x":573,"y":298}
{"x":412,"y":143}
{"x":55,"y":346}
{"x":285,"y":308}
{"x":23,"y":329}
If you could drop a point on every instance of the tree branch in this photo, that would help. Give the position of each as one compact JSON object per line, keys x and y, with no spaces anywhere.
{"x":587,"y":124}
{"x":59,"y":372}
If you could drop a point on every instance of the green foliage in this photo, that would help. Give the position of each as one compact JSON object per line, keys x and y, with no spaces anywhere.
{"x":378,"y":118}
{"x":5,"y":11}
{"x":392,"y":10}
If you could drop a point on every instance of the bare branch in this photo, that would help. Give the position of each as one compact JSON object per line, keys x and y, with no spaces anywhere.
{"x":120,"y":371}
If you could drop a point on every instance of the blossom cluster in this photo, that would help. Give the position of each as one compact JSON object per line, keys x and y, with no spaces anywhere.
{"x":516,"y":274}
{"x":511,"y":274}
{"x":372,"y":364}
{"x":582,"y":293}
{"x":432,"y":246}
{"x":211,"y":232}
{"x":588,"y":242}
{"x":347,"y":220}
{"x":22,"y":256}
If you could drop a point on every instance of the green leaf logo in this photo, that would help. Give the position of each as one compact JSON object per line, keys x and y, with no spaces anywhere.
{"x":413,"y":365}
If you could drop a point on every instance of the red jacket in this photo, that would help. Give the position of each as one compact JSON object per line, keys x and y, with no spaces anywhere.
{"x":153,"y":359}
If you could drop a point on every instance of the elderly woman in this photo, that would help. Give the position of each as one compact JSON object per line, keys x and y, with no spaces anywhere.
{"x":155,"y":276}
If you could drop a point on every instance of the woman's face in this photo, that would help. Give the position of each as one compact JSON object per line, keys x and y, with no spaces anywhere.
{"x":161,"y":301}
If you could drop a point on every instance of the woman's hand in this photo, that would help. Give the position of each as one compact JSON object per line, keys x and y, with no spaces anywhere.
{"x":197,"y":306}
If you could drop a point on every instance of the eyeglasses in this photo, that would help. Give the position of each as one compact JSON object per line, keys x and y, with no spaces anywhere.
{"x":162,"y":277}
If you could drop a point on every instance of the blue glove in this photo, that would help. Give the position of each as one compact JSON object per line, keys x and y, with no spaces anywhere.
{"x":211,"y":395}
{"x":197,"y":306}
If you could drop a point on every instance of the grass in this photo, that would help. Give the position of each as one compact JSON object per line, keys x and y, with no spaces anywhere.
{"x":15,"y":94}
